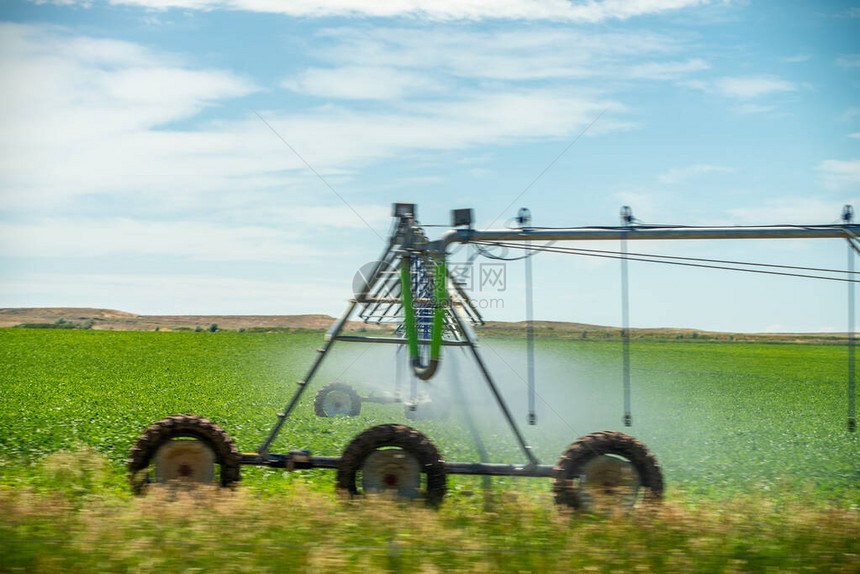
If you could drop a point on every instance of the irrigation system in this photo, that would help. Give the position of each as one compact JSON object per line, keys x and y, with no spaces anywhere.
{"x":411,"y":289}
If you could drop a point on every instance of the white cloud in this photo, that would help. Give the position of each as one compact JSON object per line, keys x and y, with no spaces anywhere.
{"x":340,"y":136}
{"x":848,"y":13}
{"x":743,"y":87}
{"x":87,"y":129}
{"x":186,"y":239}
{"x":752,"y":87}
{"x":87,"y":117}
{"x":838,"y":174}
{"x":848,"y":61}
{"x":855,"y":135}
{"x":181,"y":4}
{"x":678,"y":175}
{"x":98,"y":86}
{"x":522,"y":55}
{"x":562,"y":10}
{"x":360,"y":83}
{"x":176,"y":294}
{"x":668,"y":70}
{"x":82,"y":3}
{"x":77,"y":115}
{"x":754,"y":108}
{"x":787,"y":210}
{"x":849,"y":114}
{"x":797,"y":58}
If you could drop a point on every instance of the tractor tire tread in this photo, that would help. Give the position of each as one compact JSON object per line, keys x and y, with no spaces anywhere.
{"x":396,"y":435}
{"x":606,"y":442}
{"x":319,"y":399}
{"x":191,"y":426}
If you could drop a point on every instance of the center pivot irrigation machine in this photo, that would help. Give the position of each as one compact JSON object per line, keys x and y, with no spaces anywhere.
{"x":410,"y":288}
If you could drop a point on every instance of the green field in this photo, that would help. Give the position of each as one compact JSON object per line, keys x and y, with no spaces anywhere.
{"x":752,"y":439}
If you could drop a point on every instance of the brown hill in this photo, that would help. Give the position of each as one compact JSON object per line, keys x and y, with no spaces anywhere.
{"x":112,"y":320}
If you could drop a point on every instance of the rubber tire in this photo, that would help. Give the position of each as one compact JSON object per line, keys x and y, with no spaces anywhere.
{"x":600,"y":443}
{"x":190,"y":426}
{"x":319,"y":399}
{"x":401,"y":436}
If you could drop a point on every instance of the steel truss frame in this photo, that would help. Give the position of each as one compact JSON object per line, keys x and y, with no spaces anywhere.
{"x":409,"y":238}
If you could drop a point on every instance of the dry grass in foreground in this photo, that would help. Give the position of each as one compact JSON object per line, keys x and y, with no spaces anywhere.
{"x":70,"y":522}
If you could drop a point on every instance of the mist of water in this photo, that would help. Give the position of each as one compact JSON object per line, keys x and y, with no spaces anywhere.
{"x":577,"y":393}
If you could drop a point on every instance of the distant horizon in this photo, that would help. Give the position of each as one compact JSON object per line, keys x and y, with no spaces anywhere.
{"x":355,"y":319}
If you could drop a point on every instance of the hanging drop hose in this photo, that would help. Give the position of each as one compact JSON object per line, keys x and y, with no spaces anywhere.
{"x":440,"y":300}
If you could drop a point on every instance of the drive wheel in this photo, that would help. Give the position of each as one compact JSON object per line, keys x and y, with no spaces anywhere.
{"x":337,"y":399}
{"x":393,"y":459}
{"x":605,"y":472}
{"x":185,"y":449}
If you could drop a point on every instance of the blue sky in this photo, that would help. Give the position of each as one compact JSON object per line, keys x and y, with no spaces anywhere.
{"x":140,"y":170}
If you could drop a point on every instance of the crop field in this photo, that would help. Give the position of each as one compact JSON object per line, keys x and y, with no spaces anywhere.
{"x":761,"y":472}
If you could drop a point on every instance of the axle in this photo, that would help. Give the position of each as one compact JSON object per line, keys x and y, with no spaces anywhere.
{"x":303,"y":460}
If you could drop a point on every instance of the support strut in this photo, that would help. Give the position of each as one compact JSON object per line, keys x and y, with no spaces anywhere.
{"x":626,"y":221}
{"x":524,"y":219}
{"x":847,"y":216}
{"x":282,"y":417}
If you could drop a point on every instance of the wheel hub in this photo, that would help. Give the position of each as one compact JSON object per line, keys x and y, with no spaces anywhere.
{"x":185,"y":460}
{"x":608,"y":482}
{"x":391,"y":470}
{"x":337,"y":403}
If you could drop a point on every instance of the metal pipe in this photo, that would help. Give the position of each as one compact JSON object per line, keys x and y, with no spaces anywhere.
{"x":397,"y":341}
{"x":847,"y":216}
{"x":852,"y":344}
{"x":282,"y":417}
{"x":493,"y":469}
{"x":398,"y":372}
{"x":524,"y":219}
{"x":645,"y":233}
{"x":626,"y":220}
{"x":299,"y":460}
{"x":530,"y":340}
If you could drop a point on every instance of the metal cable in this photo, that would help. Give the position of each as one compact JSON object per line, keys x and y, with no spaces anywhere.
{"x":727,"y":261}
{"x":655,"y":259}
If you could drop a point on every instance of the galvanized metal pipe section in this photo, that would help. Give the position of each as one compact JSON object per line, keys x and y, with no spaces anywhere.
{"x":648,"y":233}
{"x":852,"y":342}
{"x":398,"y":341}
{"x":302,"y":460}
{"x":634,"y":233}
{"x":497,"y":469}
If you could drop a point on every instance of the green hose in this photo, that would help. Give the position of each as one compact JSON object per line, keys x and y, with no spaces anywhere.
{"x":440,"y":303}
